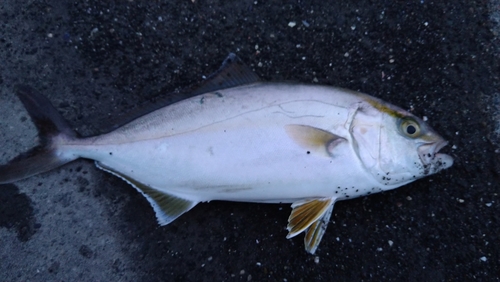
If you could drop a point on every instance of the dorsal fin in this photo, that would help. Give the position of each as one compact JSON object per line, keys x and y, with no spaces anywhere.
{"x":233,"y":72}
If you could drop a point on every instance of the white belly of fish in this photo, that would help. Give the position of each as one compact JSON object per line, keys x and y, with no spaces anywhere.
{"x":240,"y":153}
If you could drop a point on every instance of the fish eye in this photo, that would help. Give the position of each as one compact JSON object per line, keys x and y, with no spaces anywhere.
{"x":410,"y":127}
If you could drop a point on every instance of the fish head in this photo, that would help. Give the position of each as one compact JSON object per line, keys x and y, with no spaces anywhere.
{"x":395,"y":146}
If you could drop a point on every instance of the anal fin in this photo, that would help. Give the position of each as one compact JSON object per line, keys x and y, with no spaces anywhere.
{"x":166,"y":206}
{"x":311,"y":215}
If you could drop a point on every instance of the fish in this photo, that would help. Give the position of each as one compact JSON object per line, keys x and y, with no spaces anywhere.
{"x":238,"y":138}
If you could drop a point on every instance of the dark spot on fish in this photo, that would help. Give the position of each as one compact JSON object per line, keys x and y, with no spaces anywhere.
{"x":357,"y":190}
{"x":336,"y":192}
{"x":383,"y":177}
{"x":308,"y":152}
{"x":78,"y":169}
{"x":110,"y":153}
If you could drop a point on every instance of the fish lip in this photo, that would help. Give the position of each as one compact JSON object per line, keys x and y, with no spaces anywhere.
{"x":439,"y":145}
{"x":432,"y":160}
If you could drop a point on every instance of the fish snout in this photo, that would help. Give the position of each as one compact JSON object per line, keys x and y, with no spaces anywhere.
{"x":432,"y":160}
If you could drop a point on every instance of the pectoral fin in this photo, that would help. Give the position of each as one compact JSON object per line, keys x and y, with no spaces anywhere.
{"x":314,"y":139}
{"x":166,"y":206}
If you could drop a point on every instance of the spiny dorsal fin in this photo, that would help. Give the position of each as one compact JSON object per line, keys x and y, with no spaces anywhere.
{"x":315,"y":232}
{"x":232,"y":73}
{"x":314,"y":139}
{"x":305,"y":213}
{"x":167,"y":207}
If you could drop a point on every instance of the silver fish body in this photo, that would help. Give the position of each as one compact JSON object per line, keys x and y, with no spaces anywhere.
{"x":307,"y":145}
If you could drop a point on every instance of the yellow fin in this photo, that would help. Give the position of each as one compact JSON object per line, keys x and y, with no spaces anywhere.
{"x":307,"y":212}
{"x":313,"y":139}
{"x":166,"y":206}
{"x":315,"y":232}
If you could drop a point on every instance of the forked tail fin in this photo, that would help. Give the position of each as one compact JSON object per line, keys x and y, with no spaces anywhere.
{"x":51,"y":126}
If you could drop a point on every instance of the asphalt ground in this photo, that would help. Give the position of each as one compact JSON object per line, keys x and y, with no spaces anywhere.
{"x":98,"y":59}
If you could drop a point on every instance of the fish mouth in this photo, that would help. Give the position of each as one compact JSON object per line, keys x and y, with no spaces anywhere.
{"x":432,"y":160}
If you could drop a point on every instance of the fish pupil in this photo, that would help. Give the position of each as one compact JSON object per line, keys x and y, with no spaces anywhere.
{"x":411,"y":129}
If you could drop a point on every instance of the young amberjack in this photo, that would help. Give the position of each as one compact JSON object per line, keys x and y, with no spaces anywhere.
{"x":240,"y":139}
